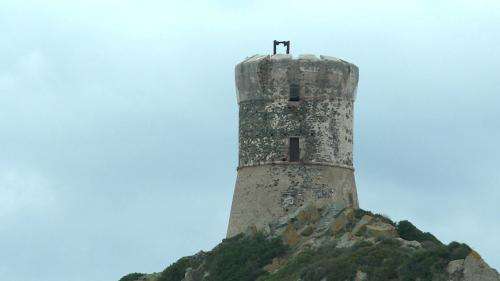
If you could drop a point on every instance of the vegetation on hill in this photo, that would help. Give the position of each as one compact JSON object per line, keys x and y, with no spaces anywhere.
{"x":382,"y":261}
{"x":132,"y":276}
{"x":318,"y":244}
{"x":240,"y":258}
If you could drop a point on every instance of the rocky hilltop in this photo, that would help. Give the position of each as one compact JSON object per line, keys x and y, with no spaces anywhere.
{"x":330,"y":244}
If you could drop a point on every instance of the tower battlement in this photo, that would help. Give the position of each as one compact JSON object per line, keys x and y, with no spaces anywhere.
{"x":295,"y":136}
{"x":270,"y":76}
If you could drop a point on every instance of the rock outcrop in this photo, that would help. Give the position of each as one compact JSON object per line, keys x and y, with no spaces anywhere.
{"x":331,"y":244}
{"x":472,"y":268}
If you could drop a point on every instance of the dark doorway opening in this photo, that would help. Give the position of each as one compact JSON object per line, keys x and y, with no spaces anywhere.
{"x":294,"y":152}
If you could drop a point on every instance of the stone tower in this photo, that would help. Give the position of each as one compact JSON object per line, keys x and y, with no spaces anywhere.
{"x":295,"y":136}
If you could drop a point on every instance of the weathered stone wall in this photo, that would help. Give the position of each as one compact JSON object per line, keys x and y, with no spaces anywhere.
{"x":266,"y":192}
{"x":268,"y":185}
{"x":323,"y":126}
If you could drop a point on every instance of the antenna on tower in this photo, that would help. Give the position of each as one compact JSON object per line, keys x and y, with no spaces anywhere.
{"x":285,"y":44}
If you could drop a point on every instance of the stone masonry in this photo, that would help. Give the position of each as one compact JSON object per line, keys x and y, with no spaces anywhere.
{"x":295,"y":137}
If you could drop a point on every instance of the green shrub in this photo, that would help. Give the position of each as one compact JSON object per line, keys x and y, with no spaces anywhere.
{"x":132,"y":276}
{"x":291,"y":270}
{"x":458,"y":251}
{"x":430,"y":264}
{"x":383,"y":261}
{"x":425,"y":265}
{"x":242,"y":258}
{"x":408,"y":231}
{"x":359,"y":213}
{"x":380,"y":261}
{"x":176,"y":271}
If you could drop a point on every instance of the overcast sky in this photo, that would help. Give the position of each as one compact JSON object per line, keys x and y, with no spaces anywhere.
{"x":118,"y":122}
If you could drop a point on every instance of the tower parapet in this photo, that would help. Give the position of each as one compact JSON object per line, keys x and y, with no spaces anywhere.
{"x":295,"y":136}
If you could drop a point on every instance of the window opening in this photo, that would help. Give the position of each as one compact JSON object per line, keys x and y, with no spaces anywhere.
{"x":294,"y":92}
{"x":294,"y":152}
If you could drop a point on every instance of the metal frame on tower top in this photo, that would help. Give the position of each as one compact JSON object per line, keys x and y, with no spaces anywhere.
{"x":285,"y":44}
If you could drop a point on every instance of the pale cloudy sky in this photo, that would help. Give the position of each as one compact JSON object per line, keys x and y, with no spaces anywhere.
{"x":118,"y":122}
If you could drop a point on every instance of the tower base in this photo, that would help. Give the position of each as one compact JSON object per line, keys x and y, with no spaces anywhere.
{"x":267,"y":192}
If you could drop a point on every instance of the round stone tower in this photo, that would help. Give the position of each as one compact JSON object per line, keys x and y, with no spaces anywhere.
{"x":295,"y":137}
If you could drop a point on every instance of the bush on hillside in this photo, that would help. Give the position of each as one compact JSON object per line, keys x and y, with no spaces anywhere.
{"x":176,"y":271}
{"x":240,"y":258}
{"x":132,"y":276}
{"x":359,"y":213}
{"x":383,"y":261}
{"x":380,"y":261}
{"x":408,"y":231}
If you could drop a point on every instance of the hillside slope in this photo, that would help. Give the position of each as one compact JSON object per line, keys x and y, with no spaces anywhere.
{"x":330,"y":244}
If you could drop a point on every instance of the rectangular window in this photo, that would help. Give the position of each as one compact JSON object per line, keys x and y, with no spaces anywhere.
{"x":294,"y":152}
{"x":294,"y":92}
